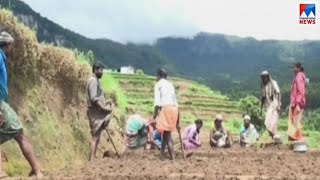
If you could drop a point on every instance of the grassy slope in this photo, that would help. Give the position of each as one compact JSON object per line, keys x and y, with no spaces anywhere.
{"x":195,"y":100}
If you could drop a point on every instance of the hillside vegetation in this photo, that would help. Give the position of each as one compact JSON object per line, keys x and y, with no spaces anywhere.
{"x":136,"y":93}
{"x":228,"y":63}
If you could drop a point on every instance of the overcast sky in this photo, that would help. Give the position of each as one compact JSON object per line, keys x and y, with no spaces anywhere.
{"x":146,"y":20}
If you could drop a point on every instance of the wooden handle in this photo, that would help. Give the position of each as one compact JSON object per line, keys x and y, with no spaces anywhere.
{"x":112,"y":143}
{"x":182,"y":150}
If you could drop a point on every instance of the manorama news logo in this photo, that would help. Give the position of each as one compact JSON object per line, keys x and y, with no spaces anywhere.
{"x":307,"y":14}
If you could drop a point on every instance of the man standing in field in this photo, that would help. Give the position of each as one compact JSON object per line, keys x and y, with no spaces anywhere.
{"x":166,"y":111}
{"x":10,"y":126}
{"x":99,"y":111}
{"x":271,"y":100}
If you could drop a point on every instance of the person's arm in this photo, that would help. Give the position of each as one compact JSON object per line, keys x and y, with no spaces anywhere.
{"x":300,"y":91}
{"x":156,"y":112}
{"x":262,"y":103}
{"x":178,"y":121}
{"x":211,"y":137}
{"x":1,"y":118}
{"x":103,"y":107}
{"x":242,"y":130}
{"x":157,"y":105}
{"x":278,"y":96}
{"x":151,"y":140}
{"x":191,"y":138}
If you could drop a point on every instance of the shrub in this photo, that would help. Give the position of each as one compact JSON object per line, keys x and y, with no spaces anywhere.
{"x":140,"y":72}
{"x":311,"y":120}
{"x":251,"y":105}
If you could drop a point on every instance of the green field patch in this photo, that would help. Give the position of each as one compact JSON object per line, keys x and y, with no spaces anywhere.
{"x":138,"y":95}
{"x":130,"y":76}
{"x":203,"y":100}
{"x":114,"y":91}
{"x":143,"y":109}
{"x":140,"y":101}
{"x":188,"y":108}
{"x":225,"y":104}
{"x":137,"y":83}
{"x":137,"y":90}
{"x":201,"y":96}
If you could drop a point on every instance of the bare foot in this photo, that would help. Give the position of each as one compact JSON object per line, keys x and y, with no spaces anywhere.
{"x":189,"y":154}
{"x":161,"y":157}
{"x":38,"y":175}
{"x":3,"y":175}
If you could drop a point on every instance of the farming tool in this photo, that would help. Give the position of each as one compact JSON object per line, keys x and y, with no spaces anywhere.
{"x":115,"y":149}
{"x":182,"y":151}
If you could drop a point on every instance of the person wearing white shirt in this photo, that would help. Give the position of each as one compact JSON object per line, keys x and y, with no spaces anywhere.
{"x":166,"y":110}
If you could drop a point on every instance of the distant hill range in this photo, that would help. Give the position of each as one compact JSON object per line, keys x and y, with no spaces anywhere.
{"x":229,"y":63}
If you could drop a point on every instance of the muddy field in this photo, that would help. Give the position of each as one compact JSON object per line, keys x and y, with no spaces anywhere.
{"x":268,"y":163}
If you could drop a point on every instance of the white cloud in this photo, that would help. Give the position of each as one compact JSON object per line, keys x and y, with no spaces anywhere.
{"x":146,"y":20}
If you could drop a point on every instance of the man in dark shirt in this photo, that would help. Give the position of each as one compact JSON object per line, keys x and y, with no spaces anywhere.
{"x":99,"y":110}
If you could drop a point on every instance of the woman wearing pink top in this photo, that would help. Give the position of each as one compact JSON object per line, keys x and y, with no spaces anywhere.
{"x":297,"y":103}
{"x":191,"y":140}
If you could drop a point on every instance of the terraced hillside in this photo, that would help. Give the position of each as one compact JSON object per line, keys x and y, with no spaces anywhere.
{"x":195,"y":100}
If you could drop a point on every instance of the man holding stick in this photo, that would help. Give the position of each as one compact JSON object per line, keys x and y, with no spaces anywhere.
{"x":166,"y":111}
{"x":99,"y":110}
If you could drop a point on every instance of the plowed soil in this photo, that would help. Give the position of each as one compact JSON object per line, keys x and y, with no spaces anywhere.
{"x":273,"y":162}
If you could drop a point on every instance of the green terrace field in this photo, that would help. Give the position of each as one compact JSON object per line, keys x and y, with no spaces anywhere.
{"x":195,"y":100}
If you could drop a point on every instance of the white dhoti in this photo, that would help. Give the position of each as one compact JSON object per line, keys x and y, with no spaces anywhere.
{"x":272,"y":118}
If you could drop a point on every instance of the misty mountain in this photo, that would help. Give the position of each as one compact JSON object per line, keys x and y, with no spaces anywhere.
{"x":229,"y":63}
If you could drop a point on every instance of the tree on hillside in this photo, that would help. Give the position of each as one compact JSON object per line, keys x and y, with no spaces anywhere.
{"x":82,"y":57}
{"x":251,"y":105}
{"x":140,"y":72}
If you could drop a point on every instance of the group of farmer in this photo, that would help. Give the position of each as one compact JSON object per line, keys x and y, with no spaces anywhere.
{"x":157,"y":131}
{"x":166,"y":118}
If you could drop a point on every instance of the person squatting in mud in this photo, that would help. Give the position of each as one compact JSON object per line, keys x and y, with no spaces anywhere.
{"x":99,"y":110}
{"x":271,"y":100}
{"x":139,"y":131}
{"x":190,"y":139}
{"x":166,"y":111}
{"x":10,"y":125}
{"x":219,"y":136}
{"x":248,"y":133}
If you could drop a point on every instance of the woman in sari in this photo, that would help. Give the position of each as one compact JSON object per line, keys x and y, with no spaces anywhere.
{"x":191,"y":141}
{"x":138,"y":131}
{"x":297,"y":103}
